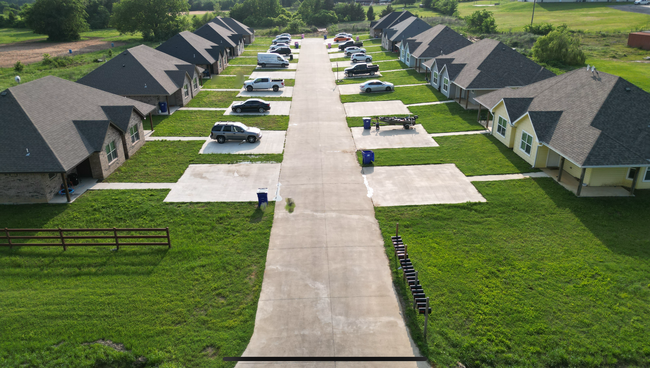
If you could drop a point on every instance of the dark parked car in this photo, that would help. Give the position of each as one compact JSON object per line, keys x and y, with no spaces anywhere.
{"x":252,"y":105}
{"x":349,"y":44}
{"x":361,"y":69}
{"x":236,"y":131}
{"x":284,"y":50}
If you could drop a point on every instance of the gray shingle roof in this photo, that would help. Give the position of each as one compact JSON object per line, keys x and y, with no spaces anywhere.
{"x":407,"y":28}
{"x":140,"y":71}
{"x":591,"y":119}
{"x":228,"y":31}
{"x":386,"y":20}
{"x":490,"y":64}
{"x":216,"y":34}
{"x":436,"y":41}
{"x":60,"y":122}
{"x":191,"y":48}
{"x":237,"y":26}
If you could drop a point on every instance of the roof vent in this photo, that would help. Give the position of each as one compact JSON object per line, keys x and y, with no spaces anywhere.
{"x":4,"y":93}
{"x":123,"y":65}
{"x":588,"y":66}
{"x":628,"y":89}
{"x":145,"y":85}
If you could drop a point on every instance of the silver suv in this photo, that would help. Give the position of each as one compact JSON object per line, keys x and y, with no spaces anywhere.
{"x":230,"y":130}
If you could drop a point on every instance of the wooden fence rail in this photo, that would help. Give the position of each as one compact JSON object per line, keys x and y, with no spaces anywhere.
{"x":61,"y":237}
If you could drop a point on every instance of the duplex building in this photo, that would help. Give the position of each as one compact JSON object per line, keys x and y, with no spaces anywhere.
{"x":408,"y":27}
{"x":196,"y":50}
{"x":433,"y":42}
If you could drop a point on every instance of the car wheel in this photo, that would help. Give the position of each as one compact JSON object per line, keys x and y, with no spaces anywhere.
{"x":249,"y":88}
{"x":372,"y":73}
{"x":263,"y":65}
{"x":407,"y":126}
{"x":367,"y":60}
{"x":221,"y":139}
{"x":261,"y":110}
{"x":275,"y":88}
{"x":388,"y":89}
{"x":238,"y":110}
{"x":251,"y":139}
{"x":368,"y":90}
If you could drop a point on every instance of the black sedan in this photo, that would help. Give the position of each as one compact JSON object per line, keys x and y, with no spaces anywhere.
{"x":251,"y":105}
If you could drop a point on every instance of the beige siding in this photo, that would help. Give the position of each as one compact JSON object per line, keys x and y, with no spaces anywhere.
{"x":542,"y":155}
{"x":522,"y":126}
{"x":500,"y":110}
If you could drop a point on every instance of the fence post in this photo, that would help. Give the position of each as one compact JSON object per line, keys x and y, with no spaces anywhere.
{"x":397,"y":229}
{"x":62,"y":240}
{"x":8,"y":238}
{"x":117,"y":241}
{"x":169,"y":241}
{"x":426,"y":319}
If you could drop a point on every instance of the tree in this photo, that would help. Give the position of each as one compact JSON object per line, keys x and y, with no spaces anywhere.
{"x":60,"y":20}
{"x":98,"y":15}
{"x":295,"y":25}
{"x":481,"y":21}
{"x":387,"y":10}
{"x":559,"y":47}
{"x":446,"y":7}
{"x":282,"y":21}
{"x":257,"y":12}
{"x":370,"y":14}
{"x":156,"y":19}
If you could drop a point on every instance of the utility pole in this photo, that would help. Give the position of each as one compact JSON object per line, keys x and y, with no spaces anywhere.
{"x":533,"y":17}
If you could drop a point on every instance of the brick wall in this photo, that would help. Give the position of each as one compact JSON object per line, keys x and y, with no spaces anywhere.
{"x":135,"y":121}
{"x":99,"y":164}
{"x":151,"y":100}
{"x":28,"y":188}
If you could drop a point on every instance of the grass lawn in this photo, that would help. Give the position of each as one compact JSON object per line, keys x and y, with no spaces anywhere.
{"x":535,"y":277}
{"x":223,"y":99}
{"x":637,"y":73}
{"x":376,"y":56}
{"x":243,"y":60}
{"x":219,"y":82}
{"x":397,"y":78}
{"x":238,"y":70}
{"x":11,"y":35}
{"x":166,"y":161}
{"x":188,"y":306}
{"x":187,"y":123}
{"x":385,"y":65}
{"x":478,"y":154}
{"x":408,"y":95}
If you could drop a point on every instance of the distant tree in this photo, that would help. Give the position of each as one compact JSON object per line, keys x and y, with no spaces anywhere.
{"x":323,"y":18}
{"x":539,"y":29}
{"x":328,"y":4}
{"x":256,"y":12}
{"x":387,"y":10}
{"x":156,"y":19}
{"x":282,"y":21}
{"x":481,"y":21}
{"x":370,"y":14}
{"x":349,"y":12}
{"x":446,"y":7}
{"x":559,"y":47}
{"x":427,"y":4}
{"x":60,"y":20}
{"x":98,"y":15}
{"x":295,"y":25}
{"x":199,"y":20}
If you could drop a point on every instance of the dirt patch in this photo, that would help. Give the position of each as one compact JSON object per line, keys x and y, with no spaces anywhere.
{"x":109,"y":343}
{"x":211,"y":352}
{"x":32,"y":51}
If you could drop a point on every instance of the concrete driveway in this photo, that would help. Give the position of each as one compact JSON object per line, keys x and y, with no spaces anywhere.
{"x":284,"y":92}
{"x":392,"y":136}
{"x":419,"y":185}
{"x":272,"y":142}
{"x":375,"y":108}
{"x":292,"y":66}
{"x":277,"y":108}
{"x":272,"y":74}
{"x":225,"y":183}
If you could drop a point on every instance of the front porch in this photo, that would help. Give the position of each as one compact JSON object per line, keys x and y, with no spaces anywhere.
{"x":572,"y":184}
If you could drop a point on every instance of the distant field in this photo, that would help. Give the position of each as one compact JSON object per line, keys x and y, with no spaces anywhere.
{"x":11,"y":35}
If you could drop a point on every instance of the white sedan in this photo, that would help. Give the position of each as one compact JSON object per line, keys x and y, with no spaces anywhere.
{"x":641,"y":2}
{"x":361,"y":57}
{"x":376,"y":85}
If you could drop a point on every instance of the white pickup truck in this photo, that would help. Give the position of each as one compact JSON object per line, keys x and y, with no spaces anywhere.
{"x":264,"y":83}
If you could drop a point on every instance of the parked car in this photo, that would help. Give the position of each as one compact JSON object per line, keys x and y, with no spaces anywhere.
{"x":251,"y":105}
{"x":376,"y":85}
{"x":361,"y":69}
{"x":354,"y":50}
{"x":343,"y":34}
{"x":360,"y":57}
{"x":341,"y":39}
{"x":641,"y":2}
{"x":282,"y":40}
{"x":284,"y":50}
{"x":287,"y":35}
{"x":347,"y":44}
{"x":230,"y":130}
{"x":273,"y":47}
{"x":271,"y":59}
{"x":264,"y":83}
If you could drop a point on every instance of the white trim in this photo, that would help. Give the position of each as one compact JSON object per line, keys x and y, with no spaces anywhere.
{"x":443,"y":85}
{"x":646,"y":175}
{"x":521,"y":140}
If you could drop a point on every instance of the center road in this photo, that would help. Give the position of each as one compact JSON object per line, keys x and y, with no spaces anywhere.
{"x":327,"y":287}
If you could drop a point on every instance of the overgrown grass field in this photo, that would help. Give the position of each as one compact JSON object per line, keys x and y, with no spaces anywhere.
{"x":535,"y":277}
{"x":187,"y":123}
{"x":408,"y":95}
{"x":166,"y":161}
{"x":12,"y":35}
{"x":188,"y":306}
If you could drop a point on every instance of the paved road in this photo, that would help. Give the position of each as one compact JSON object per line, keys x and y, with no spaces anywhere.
{"x":327,"y":287}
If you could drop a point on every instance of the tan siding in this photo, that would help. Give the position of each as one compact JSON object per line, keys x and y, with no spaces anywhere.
{"x":524,"y":125}
{"x":500,"y":110}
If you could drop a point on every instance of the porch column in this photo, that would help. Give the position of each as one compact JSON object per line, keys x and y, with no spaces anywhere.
{"x":466,"y":98}
{"x":478,"y":117}
{"x":64,"y":177}
{"x":636,"y":177}
{"x":582,"y":179}
{"x":169,"y":108}
{"x":151,"y":120}
{"x":559,"y":177}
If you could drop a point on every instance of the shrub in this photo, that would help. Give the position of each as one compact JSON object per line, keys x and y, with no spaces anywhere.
{"x":446,"y":7}
{"x":559,"y":47}
{"x":481,"y":21}
{"x":539,"y":29}
{"x":19,"y":66}
{"x":295,"y":25}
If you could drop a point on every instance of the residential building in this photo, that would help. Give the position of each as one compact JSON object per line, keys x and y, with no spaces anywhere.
{"x":436,"y":41}
{"x":386,"y":21}
{"x":218,"y":33}
{"x":196,"y":50}
{"x":407,"y":28}
{"x":239,"y":28}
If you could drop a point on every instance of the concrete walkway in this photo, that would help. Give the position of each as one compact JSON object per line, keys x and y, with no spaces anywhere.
{"x":327,"y":287}
{"x":203,"y":108}
{"x":540,"y":174}
{"x":431,"y":103}
{"x":469,"y":132}
{"x":99,"y":186}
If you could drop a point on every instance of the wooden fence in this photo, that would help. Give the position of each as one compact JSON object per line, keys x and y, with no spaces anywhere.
{"x":66,"y":237}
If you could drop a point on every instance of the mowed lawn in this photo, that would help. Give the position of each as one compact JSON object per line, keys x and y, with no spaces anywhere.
{"x":188,"y":306}
{"x":408,"y":95}
{"x":166,"y":161}
{"x":220,"y":82}
{"x":385,"y":65}
{"x":476,"y":154}
{"x":187,"y":123}
{"x":397,"y":78}
{"x":535,"y":277}
{"x":376,"y":56}
{"x":223,"y":99}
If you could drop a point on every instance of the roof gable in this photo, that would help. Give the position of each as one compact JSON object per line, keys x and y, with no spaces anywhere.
{"x":216,"y":34}
{"x":191,"y":48}
{"x":408,"y":28}
{"x":437,"y":41}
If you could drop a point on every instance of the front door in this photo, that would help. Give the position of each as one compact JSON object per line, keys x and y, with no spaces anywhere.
{"x":553,"y":159}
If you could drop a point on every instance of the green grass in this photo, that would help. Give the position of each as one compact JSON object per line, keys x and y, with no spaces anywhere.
{"x":477,"y":154}
{"x":219,"y":82}
{"x":223,"y":99}
{"x":535,"y":277}
{"x":187,"y":123}
{"x":238,"y":70}
{"x":637,"y":73}
{"x":376,"y":56}
{"x":408,"y":95}
{"x":397,"y":78}
{"x":12,"y":35}
{"x":247,"y":60}
{"x":188,"y":306}
{"x":385,"y":65}
{"x":166,"y":161}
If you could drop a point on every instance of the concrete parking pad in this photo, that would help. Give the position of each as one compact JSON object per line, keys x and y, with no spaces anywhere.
{"x":393,"y":136}
{"x":292,"y":66}
{"x":225,"y":183}
{"x":419,"y":185}
{"x":374,"y":108}
{"x":277,"y":108}
{"x":272,"y":142}
{"x":284,"y":92}
{"x":273,"y":74}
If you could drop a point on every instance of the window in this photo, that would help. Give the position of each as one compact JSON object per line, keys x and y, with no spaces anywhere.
{"x":445,"y":85}
{"x":408,"y":58}
{"x":111,"y":152}
{"x":631,"y":172}
{"x":216,"y":128}
{"x":646,"y":177}
{"x":501,"y":126}
{"x":135,"y":134}
{"x":195,"y":82}
{"x":238,"y":129}
{"x":186,"y":91}
{"x":526,"y":142}
{"x":52,"y":175}
{"x":227,"y":128}
{"x":435,"y":78}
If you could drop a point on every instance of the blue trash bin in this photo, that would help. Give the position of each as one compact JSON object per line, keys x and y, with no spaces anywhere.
{"x":163,"y":106}
{"x":262,"y":197}
{"x":325,"y":36}
{"x":366,"y":123}
{"x":368,"y":157}
{"x":296,"y":44}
